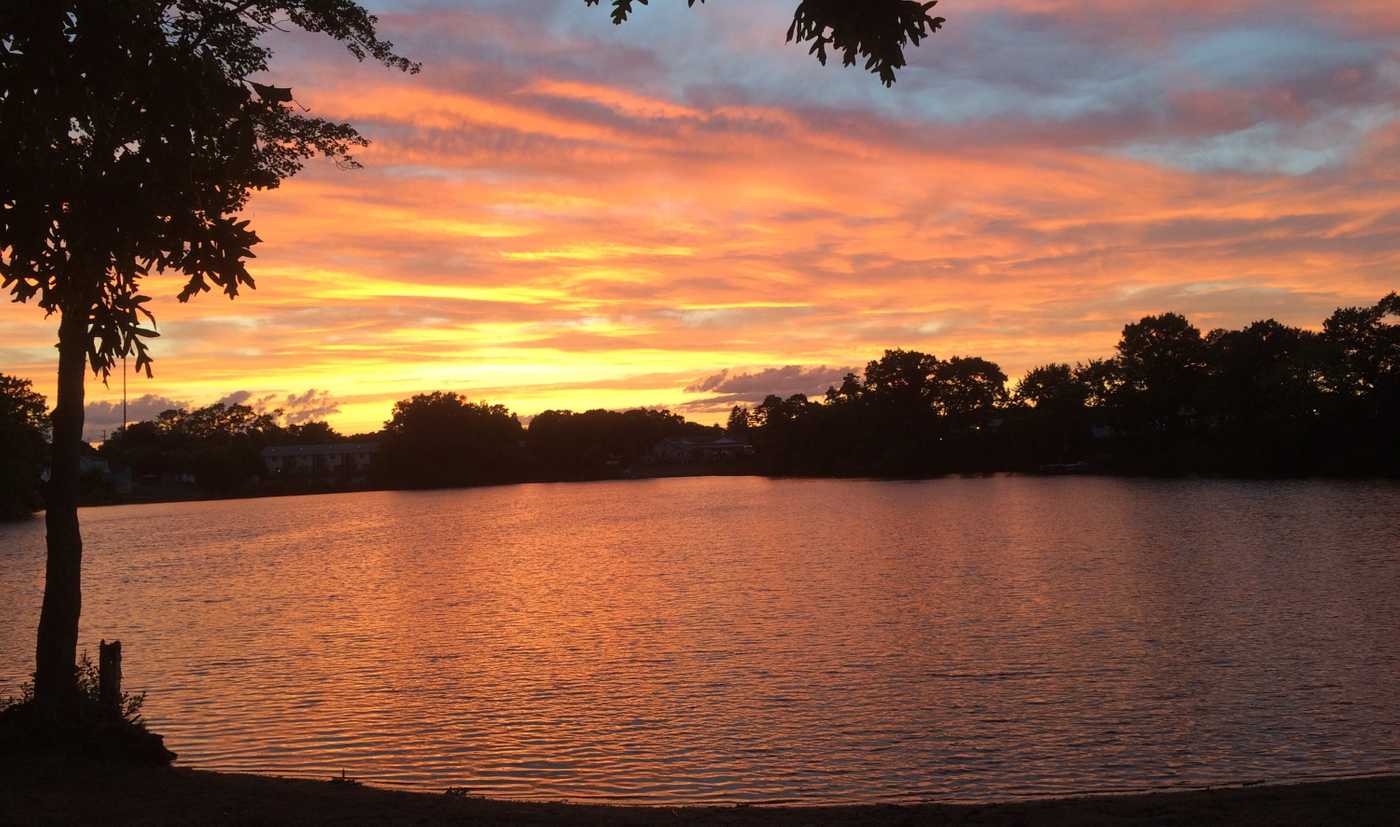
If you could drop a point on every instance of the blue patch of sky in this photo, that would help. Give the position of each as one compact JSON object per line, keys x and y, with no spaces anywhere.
{"x":1243,"y":56}
{"x":1271,"y":147}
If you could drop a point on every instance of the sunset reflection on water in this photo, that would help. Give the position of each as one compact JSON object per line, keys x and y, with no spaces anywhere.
{"x":743,"y":639}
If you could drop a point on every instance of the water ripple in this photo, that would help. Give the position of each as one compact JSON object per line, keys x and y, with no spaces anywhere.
{"x":748,"y":640}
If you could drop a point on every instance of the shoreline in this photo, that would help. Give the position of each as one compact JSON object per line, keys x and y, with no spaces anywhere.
{"x":105,"y":794}
{"x":720,"y":472}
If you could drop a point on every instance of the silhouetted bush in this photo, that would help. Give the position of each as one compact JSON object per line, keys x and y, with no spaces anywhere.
{"x":97,"y":731}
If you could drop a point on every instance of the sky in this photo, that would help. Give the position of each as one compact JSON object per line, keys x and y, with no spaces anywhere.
{"x":686,"y":212}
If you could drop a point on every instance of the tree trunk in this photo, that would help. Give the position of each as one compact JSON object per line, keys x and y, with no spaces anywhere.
{"x":55,"y":679}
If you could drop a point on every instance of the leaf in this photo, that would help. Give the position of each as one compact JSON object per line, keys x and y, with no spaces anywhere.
{"x":272,"y":94}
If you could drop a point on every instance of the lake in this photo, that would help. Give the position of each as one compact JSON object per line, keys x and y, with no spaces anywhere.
{"x":732,"y":639}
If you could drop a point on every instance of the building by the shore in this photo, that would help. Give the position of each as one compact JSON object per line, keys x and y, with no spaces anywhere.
{"x":330,"y":461}
{"x":695,"y":452}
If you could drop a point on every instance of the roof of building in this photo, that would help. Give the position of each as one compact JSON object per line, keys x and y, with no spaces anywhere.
{"x":327,"y":449}
{"x":722,"y":442}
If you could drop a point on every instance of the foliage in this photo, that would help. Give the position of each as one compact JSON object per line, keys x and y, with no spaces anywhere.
{"x":1266,"y":399}
{"x":24,"y":427}
{"x":219,"y":445}
{"x":89,"y":684}
{"x":565,"y":445}
{"x":441,"y":439}
{"x":875,"y":31}
{"x":134,"y":137}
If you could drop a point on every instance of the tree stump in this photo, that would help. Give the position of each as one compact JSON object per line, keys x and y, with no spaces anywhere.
{"x":109,"y":674}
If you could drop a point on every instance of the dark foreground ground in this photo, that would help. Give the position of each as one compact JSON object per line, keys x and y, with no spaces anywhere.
{"x":104,"y":795}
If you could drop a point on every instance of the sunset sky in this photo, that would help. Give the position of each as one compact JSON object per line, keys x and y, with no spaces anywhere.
{"x":684,"y":211}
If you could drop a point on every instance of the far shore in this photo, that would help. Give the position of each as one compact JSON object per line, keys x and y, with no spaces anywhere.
{"x":101,"y":795}
{"x":193,"y":495}
{"x":668,"y":472}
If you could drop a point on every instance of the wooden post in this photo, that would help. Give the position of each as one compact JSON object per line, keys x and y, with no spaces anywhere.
{"x":109,"y":674}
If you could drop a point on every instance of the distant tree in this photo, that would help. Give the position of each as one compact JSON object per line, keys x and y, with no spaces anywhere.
{"x":440,"y":439}
{"x":24,"y":426}
{"x":601,"y":443}
{"x":1364,"y":349}
{"x":1360,"y":370}
{"x":1261,"y":396}
{"x":873,"y":31}
{"x":134,"y":136}
{"x":1057,"y":417}
{"x":968,"y":390}
{"x":308,"y":433}
{"x":1162,"y":362}
{"x":1052,"y":387}
{"x":849,"y":391}
{"x":1102,"y":381}
{"x":902,"y":378}
{"x":740,"y":420}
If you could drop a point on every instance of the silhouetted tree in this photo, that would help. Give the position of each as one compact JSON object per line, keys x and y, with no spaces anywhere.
{"x":968,"y":390}
{"x":875,"y":31}
{"x":1260,"y":394}
{"x":1361,"y":378}
{"x":596,"y":444}
{"x":307,"y":433}
{"x":1056,"y":418}
{"x":24,"y":426}
{"x":134,"y":136}
{"x":738,"y":424}
{"x":440,"y":439}
{"x":1052,"y":387}
{"x":1102,"y":380}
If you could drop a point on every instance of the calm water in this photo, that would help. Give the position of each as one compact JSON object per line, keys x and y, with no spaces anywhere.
{"x":731,"y":639}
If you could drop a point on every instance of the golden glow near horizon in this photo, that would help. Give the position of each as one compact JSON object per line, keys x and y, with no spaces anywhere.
{"x":557,"y":213}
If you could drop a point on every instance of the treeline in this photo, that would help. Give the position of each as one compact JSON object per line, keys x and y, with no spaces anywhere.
{"x":432,"y":440}
{"x":441,"y":439}
{"x":1267,"y":399}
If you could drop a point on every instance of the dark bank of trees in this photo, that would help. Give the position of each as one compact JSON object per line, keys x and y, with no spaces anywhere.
{"x":432,"y":440}
{"x":597,"y":444}
{"x":442,"y":439}
{"x":1267,"y":399}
